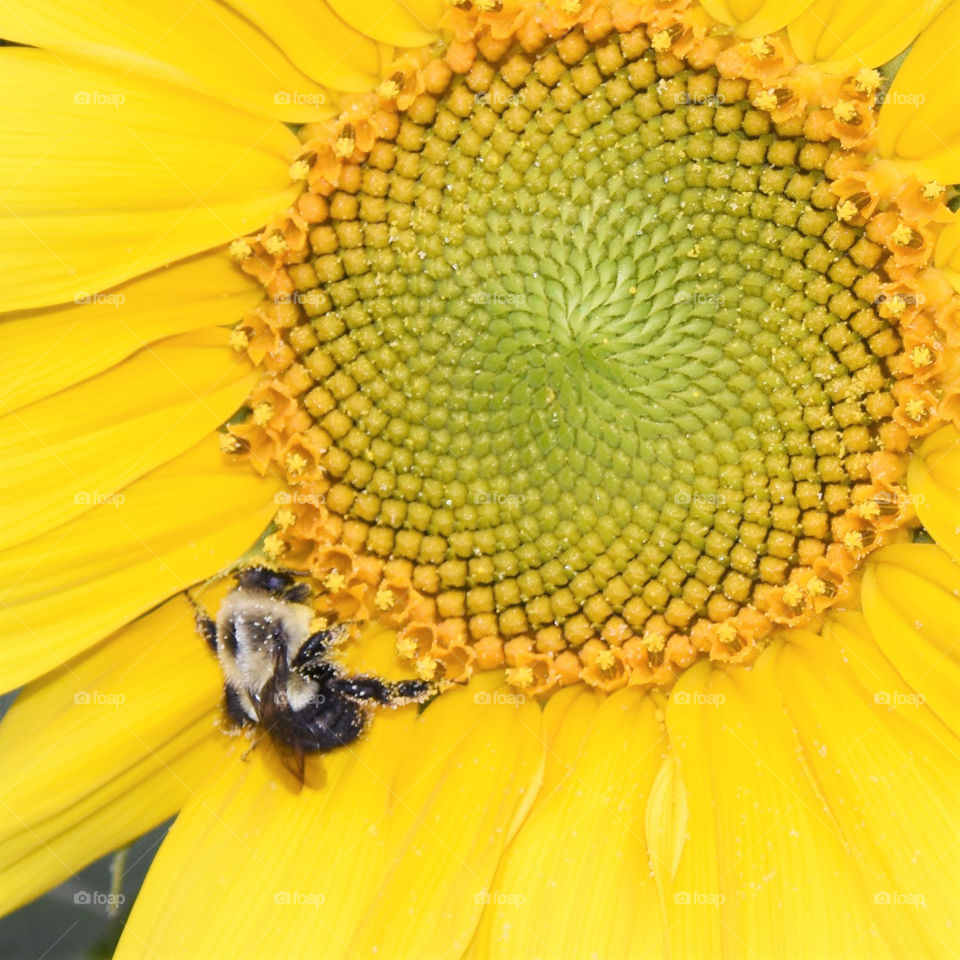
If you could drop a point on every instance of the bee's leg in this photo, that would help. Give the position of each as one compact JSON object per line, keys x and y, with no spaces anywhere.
{"x":299,"y":593}
{"x":363,"y":687}
{"x":206,"y":626}
{"x":411,"y":690}
{"x":314,"y":647}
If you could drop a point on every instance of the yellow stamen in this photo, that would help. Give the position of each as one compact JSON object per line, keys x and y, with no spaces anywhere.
{"x":275,"y":245}
{"x":229,"y":443}
{"x":319,"y":623}
{"x":521,"y":677}
{"x":274,"y":546}
{"x":240,"y":250}
{"x":426,"y":668}
{"x":384,"y":599}
{"x":869,"y":510}
{"x":846,"y":111}
{"x":853,"y":541}
{"x":867,"y":80}
{"x":389,"y":89}
{"x":335,"y":581}
{"x":654,"y":641}
{"x":661,"y":41}
{"x":916,"y":409}
{"x":793,"y":596}
{"x":727,"y":634}
{"x":406,"y":648}
{"x":262,"y":413}
{"x":345,"y":144}
{"x":903,"y":235}
{"x":761,"y":48}
{"x":932,"y":190}
{"x":766,"y":100}
{"x":921,"y":356}
{"x":298,"y":170}
{"x":285,"y":519}
{"x":816,"y":587}
{"x":239,"y":340}
{"x":847,"y":210}
{"x":295,"y":463}
{"x":606,"y":660}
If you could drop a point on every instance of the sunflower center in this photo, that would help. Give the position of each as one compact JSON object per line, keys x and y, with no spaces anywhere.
{"x":593,"y":361}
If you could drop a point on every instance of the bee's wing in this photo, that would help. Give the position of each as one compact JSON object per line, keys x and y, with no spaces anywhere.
{"x":299,"y":769}
{"x":288,"y":764}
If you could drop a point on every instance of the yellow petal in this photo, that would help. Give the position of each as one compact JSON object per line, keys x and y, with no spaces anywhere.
{"x":764,"y":872}
{"x":65,"y":454}
{"x":576,"y":882}
{"x":851,"y":633}
{"x":68,"y":588}
{"x":417,"y":811}
{"x":933,"y":480}
{"x":468,"y":777}
{"x":43,"y":351}
{"x":947,"y":253}
{"x":104,"y":748}
{"x":695,"y":928}
{"x":919,"y":122}
{"x":891,"y":790}
{"x":846,"y":36}
{"x":914,"y":620}
{"x":755,"y":18}
{"x":199,"y":43}
{"x":96,"y":193}
{"x":261,"y":858}
{"x":321,"y":44}
{"x":408,"y":24}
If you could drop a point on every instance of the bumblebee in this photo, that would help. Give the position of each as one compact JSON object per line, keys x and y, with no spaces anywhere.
{"x":281,"y":677}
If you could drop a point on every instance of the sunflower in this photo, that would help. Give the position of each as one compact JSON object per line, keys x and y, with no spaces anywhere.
{"x":599,"y":363}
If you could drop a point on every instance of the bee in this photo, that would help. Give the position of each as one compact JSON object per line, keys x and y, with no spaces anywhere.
{"x":282,"y":678}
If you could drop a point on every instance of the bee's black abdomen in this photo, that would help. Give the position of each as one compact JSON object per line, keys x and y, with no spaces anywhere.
{"x":325,"y":726}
